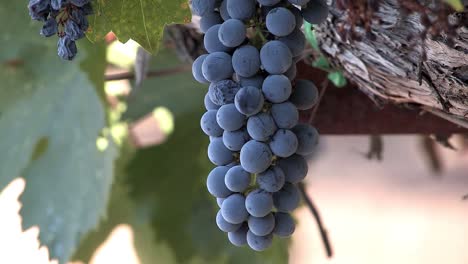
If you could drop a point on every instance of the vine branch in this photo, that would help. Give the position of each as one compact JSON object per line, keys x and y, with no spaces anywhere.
{"x":318,"y":219}
{"x":159,"y":73}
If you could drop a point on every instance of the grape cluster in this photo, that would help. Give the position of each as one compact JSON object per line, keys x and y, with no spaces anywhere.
{"x":64,"y":18}
{"x":252,"y":116}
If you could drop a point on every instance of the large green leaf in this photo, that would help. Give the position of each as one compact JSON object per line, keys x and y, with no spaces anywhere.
{"x":50,"y":118}
{"x":140,"y":20}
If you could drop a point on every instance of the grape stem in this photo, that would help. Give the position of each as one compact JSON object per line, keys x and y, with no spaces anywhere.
{"x":316,"y":214}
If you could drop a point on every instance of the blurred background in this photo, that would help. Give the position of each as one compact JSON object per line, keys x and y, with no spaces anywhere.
{"x":142,"y":120}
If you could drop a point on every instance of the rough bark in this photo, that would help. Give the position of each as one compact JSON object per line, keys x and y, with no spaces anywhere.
{"x":387,"y":67}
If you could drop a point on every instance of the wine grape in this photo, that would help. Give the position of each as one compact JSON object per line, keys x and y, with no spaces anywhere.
{"x":315,"y":12}
{"x":229,"y":118}
{"x":295,"y":168}
{"x":259,"y":203}
{"x":307,"y":137}
{"x":246,"y":61}
{"x":217,"y":66}
{"x":223,"y":92}
{"x":237,"y":179}
{"x":305,"y":95}
{"x":233,"y":209}
{"x":261,"y":126}
{"x":232,"y":33}
{"x":287,"y":199}
{"x":209,"y":124}
{"x":284,"y":143}
{"x":241,"y":9}
{"x":239,"y":237}
{"x":215,"y":182}
{"x":197,"y":69}
{"x":259,"y":243}
{"x":255,"y":157}
{"x":262,"y":226}
{"x":249,"y":100}
{"x":271,"y":180}
{"x":234,"y":140}
{"x":280,"y":21}
{"x":295,"y":41}
{"x":285,"y":115}
{"x":284,"y":225}
{"x":224,"y":225}
{"x":212,"y":42}
{"x":210,"y":19}
{"x":218,"y":153}
{"x":277,"y":88}
{"x":276,"y":57}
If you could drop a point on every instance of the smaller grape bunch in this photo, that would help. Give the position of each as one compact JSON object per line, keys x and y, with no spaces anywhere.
{"x":65,"y":18}
{"x":256,"y":141}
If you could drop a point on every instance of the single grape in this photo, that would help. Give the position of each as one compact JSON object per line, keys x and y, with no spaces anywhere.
{"x":234,"y":140}
{"x":209,"y":105}
{"x":287,"y":199}
{"x":224,"y":225}
{"x":259,"y":203}
{"x":223,"y":92}
{"x":223,"y":11}
{"x":241,"y":9}
{"x":39,"y":9}
{"x":49,"y":28}
{"x":295,"y":168}
{"x":276,"y":57}
{"x":284,"y":143}
{"x":211,"y":40}
{"x":299,"y":2}
{"x":210,"y":19}
{"x":66,"y":48}
{"x":209,"y":124}
{"x":291,"y":73}
{"x":255,"y":81}
{"x":277,"y":88}
{"x":237,"y":179}
{"x":233,"y":209}
{"x":261,"y":126}
{"x":232,"y":33}
{"x":218,"y":153}
{"x":284,"y":225}
{"x":220,"y":201}
{"x":285,"y":115}
{"x":295,"y":41}
{"x":315,"y":12}
{"x":217,"y":66}
{"x":215,"y":182}
{"x":259,"y":243}
{"x":268,"y":2}
{"x":280,"y":21}
{"x":201,"y":7}
{"x":305,"y":95}
{"x":307,"y":137}
{"x":249,"y":100}
{"x":239,"y":237}
{"x":73,"y":30}
{"x":262,"y":226}
{"x":271,"y":180}
{"x":229,"y":118}
{"x":255,"y":157}
{"x":298,"y":15}
{"x":197,"y":69}
{"x":246,"y":61}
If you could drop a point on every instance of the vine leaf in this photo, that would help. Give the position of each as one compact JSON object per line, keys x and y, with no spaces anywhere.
{"x":50,"y":119}
{"x":455,"y":4}
{"x":140,"y":20}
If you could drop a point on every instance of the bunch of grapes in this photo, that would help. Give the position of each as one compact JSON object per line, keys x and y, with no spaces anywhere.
{"x":64,"y":18}
{"x":252,"y":115}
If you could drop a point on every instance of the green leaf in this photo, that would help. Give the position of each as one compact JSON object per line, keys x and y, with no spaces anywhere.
{"x":140,"y":20}
{"x":310,"y":35}
{"x":50,"y":118}
{"x":337,"y":78}
{"x":321,"y":63}
{"x":456,"y":4}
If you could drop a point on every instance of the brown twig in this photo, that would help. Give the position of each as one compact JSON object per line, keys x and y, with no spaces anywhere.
{"x":324,"y":87}
{"x":131,"y":75}
{"x":316,"y":214}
